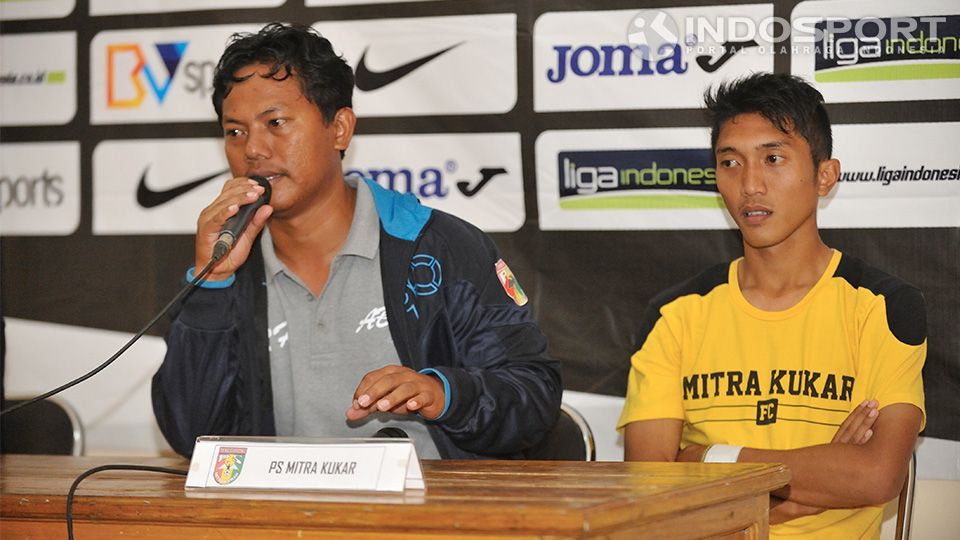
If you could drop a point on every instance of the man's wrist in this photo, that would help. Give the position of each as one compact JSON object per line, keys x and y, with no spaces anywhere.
{"x":446,"y":391}
{"x":721,"y":453}
{"x":209,"y":282}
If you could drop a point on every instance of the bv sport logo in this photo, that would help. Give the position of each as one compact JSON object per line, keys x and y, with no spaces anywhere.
{"x":156,"y":75}
{"x":127,"y":88}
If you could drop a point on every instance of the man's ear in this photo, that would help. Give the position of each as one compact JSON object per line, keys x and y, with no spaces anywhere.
{"x":344,"y":121}
{"x":828,"y":172}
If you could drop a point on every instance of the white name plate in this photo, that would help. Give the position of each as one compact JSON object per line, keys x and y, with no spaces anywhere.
{"x":286,"y":463}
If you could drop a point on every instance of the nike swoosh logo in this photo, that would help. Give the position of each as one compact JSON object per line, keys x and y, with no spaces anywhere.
{"x":368,"y":80}
{"x":149,"y":198}
{"x":486,"y":174}
{"x":730,"y":48}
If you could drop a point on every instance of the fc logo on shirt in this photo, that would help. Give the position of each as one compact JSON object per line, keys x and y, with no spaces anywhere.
{"x":767,"y":412}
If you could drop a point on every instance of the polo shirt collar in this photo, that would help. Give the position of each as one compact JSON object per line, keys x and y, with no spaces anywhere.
{"x":363,"y":240}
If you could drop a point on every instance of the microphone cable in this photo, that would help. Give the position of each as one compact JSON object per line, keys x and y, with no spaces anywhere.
{"x":186,"y":288}
{"x":117,"y":467}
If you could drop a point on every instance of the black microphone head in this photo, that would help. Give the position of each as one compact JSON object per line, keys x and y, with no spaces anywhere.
{"x":235,"y":225}
{"x":391,"y":433}
{"x":267,"y":190}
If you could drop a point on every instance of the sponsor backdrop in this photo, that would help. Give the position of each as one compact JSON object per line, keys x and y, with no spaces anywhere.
{"x":569,"y":129}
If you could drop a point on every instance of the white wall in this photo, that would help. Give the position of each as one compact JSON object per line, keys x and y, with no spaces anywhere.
{"x":114,"y":405}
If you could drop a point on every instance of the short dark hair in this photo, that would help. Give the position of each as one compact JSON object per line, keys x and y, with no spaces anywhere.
{"x":290,"y":49}
{"x":788,"y":102}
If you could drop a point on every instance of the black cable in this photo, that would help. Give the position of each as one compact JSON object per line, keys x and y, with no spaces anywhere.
{"x":76,"y":483}
{"x":186,"y":288}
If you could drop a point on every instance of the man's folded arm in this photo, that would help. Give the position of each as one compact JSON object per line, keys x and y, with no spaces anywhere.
{"x":850,"y":475}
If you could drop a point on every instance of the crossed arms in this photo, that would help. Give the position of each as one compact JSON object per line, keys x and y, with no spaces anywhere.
{"x":865,"y":463}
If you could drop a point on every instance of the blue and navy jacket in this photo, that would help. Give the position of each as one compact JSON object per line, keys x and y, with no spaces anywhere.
{"x":447,"y":311}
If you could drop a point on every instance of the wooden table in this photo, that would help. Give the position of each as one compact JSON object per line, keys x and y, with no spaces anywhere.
{"x":464,"y":499}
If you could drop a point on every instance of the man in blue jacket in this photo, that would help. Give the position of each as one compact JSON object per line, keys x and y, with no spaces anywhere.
{"x":343,"y":308}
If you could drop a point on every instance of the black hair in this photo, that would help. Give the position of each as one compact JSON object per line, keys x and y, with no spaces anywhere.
{"x":326,"y":79}
{"x":788,"y":102}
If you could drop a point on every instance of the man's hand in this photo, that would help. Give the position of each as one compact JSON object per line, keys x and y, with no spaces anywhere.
{"x":398,"y":390}
{"x":235,"y":193}
{"x":694,"y":452}
{"x":782,"y":510}
{"x":858,"y":426}
{"x":855,"y":429}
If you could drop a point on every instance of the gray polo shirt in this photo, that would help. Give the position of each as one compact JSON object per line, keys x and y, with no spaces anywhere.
{"x":321,"y":347}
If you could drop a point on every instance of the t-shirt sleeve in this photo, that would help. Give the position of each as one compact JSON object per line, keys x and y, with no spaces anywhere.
{"x":653,"y":386}
{"x":894,"y":344}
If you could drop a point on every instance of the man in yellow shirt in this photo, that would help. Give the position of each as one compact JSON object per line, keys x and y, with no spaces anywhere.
{"x":794,"y":353}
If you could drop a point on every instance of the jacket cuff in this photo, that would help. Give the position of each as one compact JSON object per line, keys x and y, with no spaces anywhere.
{"x":208,"y":284}
{"x":446,"y":391}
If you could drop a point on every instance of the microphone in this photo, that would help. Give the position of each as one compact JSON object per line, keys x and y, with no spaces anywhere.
{"x":390,"y":433}
{"x":236,"y":224}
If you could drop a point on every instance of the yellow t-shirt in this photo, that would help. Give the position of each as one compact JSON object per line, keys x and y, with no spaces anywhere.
{"x":780,"y":380}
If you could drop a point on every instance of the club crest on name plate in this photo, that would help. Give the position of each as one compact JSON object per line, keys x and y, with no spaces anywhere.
{"x":229,"y":464}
